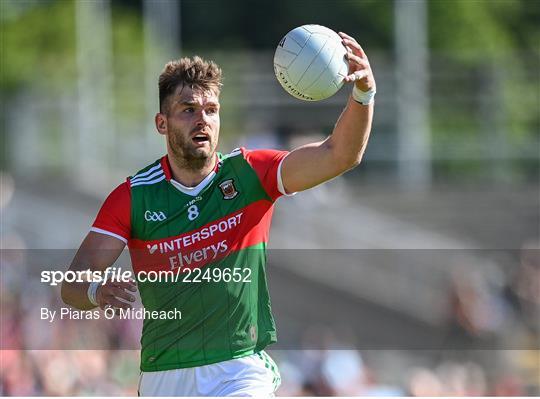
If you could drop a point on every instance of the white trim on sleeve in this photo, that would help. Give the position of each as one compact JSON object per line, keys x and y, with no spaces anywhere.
{"x":108,"y":233}
{"x":280,"y":186}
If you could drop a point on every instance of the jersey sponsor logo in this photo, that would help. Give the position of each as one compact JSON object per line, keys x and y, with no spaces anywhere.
{"x":219,"y":228}
{"x":199,"y":256}
{"x":228,"y":189}
{"x":241,"y":229}
{"x":150,"y":216}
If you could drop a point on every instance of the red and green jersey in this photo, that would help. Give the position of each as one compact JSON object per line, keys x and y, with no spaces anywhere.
{"x":212,"y":240}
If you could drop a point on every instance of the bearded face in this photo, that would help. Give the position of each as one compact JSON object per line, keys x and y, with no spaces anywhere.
{"x":192,"y":126}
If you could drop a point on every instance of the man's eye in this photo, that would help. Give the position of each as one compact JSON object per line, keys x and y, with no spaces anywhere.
{"x":212,"y":110}
{"x":189,"y":109}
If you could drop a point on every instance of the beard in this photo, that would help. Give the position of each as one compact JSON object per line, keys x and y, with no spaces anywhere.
{"x":187,"y":155}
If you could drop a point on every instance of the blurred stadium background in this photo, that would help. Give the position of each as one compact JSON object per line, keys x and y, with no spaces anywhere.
{"x":417,"y":273}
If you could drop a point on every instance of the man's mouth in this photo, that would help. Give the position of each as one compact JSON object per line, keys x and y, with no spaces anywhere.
{"x":200,"y":138}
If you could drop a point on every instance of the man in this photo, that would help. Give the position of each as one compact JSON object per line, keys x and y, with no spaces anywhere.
{"x":207,"y":216}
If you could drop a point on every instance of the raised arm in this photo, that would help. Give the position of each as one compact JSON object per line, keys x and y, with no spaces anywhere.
{"x":97,"y":252}
{"x":315,"y":163}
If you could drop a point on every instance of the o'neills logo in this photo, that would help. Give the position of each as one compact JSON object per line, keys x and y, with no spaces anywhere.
{"x":287,"y":86}
{"x":228,"y":189}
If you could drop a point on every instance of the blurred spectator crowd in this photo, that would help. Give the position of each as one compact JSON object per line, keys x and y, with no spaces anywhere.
{"x":345,"y":373}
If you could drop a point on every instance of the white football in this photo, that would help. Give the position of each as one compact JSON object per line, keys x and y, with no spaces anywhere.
{"x":310,"y":62}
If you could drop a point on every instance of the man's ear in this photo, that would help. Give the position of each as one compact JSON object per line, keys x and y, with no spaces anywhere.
{"x":161,"y":123}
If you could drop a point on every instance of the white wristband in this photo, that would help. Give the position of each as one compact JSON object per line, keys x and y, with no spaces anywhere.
{"x":363,"y":97}
{"x":92,"y":291}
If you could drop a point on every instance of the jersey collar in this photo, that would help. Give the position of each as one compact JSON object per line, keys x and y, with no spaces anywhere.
{"x":166,"y":166}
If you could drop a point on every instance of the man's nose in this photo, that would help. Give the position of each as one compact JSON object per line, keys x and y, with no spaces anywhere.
{"x":202,"y":118}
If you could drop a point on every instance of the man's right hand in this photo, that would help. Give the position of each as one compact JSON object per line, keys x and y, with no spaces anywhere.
{"x":97,"y":252}
{"x":111,"y":293}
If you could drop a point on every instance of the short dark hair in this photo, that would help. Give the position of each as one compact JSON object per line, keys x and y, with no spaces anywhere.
{"x":195,"y":72}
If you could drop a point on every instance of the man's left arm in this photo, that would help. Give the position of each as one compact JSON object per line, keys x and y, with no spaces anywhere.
{"x":315,"y":163}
